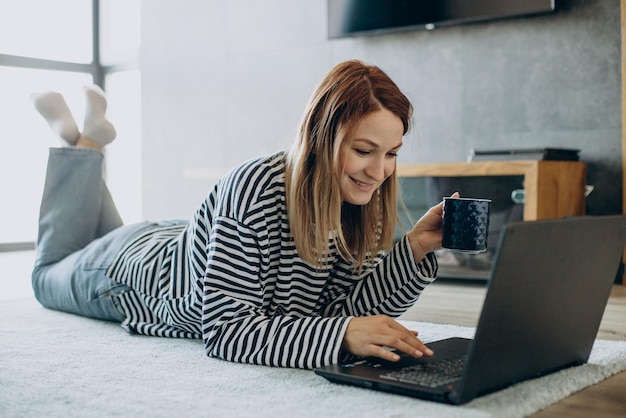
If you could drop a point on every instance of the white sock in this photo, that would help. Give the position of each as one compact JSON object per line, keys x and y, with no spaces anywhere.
{"x":51,"y":105}
{"x":96,"y":126}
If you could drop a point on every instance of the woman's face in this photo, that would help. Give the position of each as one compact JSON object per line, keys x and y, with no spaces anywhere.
{"x":367,"y":156}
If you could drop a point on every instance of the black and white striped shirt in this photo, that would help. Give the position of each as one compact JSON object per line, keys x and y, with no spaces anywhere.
{"x":233,"y":277}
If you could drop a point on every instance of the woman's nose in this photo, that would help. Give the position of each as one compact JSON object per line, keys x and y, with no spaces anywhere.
{"x":376,"y":169}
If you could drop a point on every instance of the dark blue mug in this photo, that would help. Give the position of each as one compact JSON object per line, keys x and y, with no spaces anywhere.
{"x":465,"y":224}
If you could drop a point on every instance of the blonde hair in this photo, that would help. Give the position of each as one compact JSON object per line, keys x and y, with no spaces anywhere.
{"x":317,"y":214}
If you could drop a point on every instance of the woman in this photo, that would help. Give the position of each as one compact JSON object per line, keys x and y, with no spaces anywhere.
{"x":289,"y":261}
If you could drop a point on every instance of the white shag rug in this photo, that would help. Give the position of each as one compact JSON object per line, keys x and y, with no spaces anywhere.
{"x":54,"y":364}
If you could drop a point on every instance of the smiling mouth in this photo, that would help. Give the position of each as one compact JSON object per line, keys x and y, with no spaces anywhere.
{"x":361,"y":184}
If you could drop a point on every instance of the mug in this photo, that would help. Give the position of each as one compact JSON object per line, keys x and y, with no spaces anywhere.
{"x":465,"y":224}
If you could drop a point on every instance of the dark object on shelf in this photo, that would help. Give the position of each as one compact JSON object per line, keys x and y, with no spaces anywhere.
{"x":552,"y":154}
{"x":361,"y":17}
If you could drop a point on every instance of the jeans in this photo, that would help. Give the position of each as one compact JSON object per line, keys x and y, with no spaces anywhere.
{"x":80,"y":232}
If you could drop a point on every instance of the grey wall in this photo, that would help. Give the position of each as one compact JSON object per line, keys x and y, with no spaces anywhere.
{"x":224,"y":81}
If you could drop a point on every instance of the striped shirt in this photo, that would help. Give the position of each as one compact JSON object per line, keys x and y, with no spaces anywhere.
{"x":233,"y":277}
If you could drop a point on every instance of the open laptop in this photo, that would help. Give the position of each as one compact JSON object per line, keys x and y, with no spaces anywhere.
{"x":548,"y":288}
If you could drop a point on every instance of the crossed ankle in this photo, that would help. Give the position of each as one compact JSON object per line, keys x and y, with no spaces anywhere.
{"x":86,"y":142}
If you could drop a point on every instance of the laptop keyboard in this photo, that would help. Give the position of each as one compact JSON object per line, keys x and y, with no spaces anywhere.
{"x":429,"y":374}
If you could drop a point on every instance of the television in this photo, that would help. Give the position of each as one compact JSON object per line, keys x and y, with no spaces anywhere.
{"x":354,"y":17}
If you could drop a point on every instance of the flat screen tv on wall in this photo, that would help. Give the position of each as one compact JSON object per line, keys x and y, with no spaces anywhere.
{"x":356,"y":17}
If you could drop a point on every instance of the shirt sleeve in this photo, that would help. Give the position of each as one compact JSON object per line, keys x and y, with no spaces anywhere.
{"x":391,"y":287}
{"x":234,"y":325}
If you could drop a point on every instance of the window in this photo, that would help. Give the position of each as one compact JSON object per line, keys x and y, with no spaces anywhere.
{"x":54,"y":30}
{"x":49,"y":45}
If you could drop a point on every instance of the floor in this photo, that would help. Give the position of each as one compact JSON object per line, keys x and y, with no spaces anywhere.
{"x":444,"y":302}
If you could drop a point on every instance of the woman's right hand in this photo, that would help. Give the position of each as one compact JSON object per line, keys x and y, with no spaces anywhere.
{"x":426,"y":235}
{"x":373,"y":336}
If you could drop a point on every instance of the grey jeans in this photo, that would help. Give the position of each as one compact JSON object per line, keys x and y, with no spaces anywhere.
{"x":80,"y":232}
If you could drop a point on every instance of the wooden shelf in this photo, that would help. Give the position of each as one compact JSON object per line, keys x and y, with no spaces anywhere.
{"x":554,"y":189}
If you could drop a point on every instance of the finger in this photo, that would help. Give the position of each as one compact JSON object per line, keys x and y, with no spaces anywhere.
{"x":409,"y":337}
{"x":383,"y":353}
{"x":437,"y":209}
{"x":405,"y":342}
{"x":399,"y":327}
{"x":412,"y":346}
{"x":395,"y":325}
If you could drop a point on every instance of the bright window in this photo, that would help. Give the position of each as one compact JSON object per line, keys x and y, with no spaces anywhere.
{"x":50,"y":29}
{"x":26,"y":138}
{"x":46,"y":45}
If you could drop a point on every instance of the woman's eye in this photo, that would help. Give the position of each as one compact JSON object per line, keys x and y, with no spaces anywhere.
{"x":362,"y":152}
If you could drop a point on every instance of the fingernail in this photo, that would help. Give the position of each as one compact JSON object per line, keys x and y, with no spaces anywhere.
{"x":429,"y":352}
{"x":418,"y":353}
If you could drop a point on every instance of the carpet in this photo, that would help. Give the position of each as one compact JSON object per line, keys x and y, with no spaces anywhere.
{"x":54,"y":364}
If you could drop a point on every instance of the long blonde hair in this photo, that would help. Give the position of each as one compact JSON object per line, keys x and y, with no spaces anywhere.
{"x":317,"y":214}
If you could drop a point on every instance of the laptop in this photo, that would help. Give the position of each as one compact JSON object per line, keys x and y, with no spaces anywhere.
{"x":547,"y":291}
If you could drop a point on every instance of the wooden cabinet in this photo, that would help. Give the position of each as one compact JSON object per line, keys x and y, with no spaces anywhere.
{"x":554,"y":189}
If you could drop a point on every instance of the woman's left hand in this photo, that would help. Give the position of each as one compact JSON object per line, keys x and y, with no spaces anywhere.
{"x":425,"y":237}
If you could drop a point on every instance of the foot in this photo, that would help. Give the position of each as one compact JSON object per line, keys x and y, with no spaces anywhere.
{"x":51,"y":105}
{"x":96,"y":127}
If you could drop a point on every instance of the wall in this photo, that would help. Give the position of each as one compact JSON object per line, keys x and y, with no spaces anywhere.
{"x":224,"y":81}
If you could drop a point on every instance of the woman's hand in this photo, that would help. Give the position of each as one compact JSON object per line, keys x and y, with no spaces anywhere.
{"x":425,"y":237}
{"x":369,"y":335}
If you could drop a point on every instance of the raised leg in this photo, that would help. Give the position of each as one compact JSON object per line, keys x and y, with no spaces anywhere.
{"x":77,"y":237}
{"x":80,"y":229}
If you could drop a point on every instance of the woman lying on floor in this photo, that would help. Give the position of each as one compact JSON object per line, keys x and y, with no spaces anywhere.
{"x":289,"y":261}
